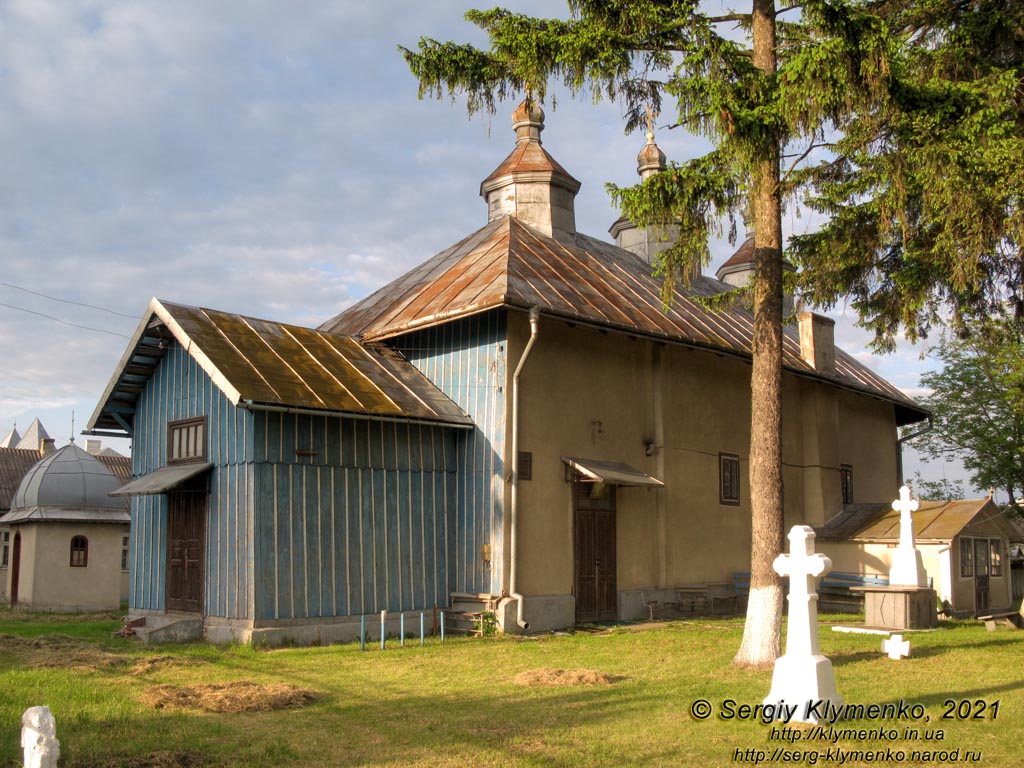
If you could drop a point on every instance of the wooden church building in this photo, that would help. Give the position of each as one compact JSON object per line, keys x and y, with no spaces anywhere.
{"x":517,"y":419}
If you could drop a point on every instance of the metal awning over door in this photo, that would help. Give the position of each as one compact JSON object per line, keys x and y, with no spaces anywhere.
{"x":611,"y":472}
{"x":162,"y":480}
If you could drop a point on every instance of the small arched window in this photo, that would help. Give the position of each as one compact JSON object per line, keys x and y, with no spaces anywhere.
{"x":79,"y":551}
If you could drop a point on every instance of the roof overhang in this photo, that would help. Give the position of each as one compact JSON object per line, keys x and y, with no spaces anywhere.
{"x":162,"y":480}
{"x":58,"y":515}
{"x":611,"y":472}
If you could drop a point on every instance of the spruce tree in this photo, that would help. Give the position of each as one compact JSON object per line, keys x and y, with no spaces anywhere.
{"x":771,"y":103}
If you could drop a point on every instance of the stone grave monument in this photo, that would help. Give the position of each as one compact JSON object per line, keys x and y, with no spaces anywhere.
{"x":802,"y":674}
{"x":39,"y":738}
{"x":907,"y":602}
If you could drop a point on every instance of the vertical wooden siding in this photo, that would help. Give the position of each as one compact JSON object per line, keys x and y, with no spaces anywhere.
{"x":466,"y":359}
{"x":180,"y":389}
{"x":352,"y":516}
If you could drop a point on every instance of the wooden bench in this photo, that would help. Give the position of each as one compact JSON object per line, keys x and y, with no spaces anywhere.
{"x":689,"y":600}
{"x":836,"y":589}
{"x":1012,"y":619}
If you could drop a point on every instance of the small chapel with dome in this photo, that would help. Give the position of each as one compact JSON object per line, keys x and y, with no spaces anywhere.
{"x":69,"y":537}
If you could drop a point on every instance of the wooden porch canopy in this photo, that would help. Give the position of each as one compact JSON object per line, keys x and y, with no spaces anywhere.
{"x":162,"y":480}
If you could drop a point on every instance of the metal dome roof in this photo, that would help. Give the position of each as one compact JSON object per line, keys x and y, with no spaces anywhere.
{"x":68,"y":479}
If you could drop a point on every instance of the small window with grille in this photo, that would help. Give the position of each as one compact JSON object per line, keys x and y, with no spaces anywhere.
{"x":846,"y":481}
{"x":729,"y":479}
{"x":186,"y":441}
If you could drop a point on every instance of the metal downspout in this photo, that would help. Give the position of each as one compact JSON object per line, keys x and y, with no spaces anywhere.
{"x":514,"y":493}
{"x":899,"y":449}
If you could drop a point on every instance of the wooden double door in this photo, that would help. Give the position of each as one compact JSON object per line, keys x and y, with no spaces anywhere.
{"x":186,"y":535}
{"x":594,"y":539}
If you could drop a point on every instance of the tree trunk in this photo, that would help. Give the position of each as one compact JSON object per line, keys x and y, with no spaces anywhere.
{"x":762,"y":633}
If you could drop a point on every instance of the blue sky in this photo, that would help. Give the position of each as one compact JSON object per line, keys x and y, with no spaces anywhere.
{"x":259,"y":157}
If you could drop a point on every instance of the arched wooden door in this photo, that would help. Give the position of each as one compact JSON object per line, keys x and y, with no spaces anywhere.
{"x":15,"y":568}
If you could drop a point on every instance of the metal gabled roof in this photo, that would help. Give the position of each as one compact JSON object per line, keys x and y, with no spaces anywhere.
{"x":509,"y":264}
{"x":933,"y":521}
{"x":262,"y":364}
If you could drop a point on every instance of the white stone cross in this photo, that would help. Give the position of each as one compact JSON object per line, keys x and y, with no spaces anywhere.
{"x":802,"y":674}
{"x":896,"y":647}
{"x":907,"y":566}
{"x":39,"y":738}
{"x":803,"y":566}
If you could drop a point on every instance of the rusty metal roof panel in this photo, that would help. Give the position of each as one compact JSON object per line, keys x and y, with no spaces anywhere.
{"x":933,"y":521}
{"x":507,"y":263}
{"x":263,"y":364}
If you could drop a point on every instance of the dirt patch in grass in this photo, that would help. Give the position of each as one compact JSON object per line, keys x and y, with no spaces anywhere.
{"x":240,"y":696}
{"x":549,"y":676}
{"x":154,"y":663}
{"x":15,"y":614}
{"x":159,"y":759}
{"x":59,"y":651}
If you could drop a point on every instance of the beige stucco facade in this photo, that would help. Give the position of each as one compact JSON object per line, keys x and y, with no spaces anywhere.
{"x":47,"y":580}
{"x":670,"y":411}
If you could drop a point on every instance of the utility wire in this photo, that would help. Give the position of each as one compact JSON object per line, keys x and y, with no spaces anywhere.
{"x":66,"y":322}
{"x":66,"y":301}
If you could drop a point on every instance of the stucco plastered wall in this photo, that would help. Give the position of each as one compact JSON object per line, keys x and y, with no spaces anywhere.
{"x":49,"y":582}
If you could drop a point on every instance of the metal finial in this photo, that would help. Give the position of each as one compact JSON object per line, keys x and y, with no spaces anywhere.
{"x":72,"y":426}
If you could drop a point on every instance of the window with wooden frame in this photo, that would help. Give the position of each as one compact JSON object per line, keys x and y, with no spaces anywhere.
{"x":79,"y":552}
{"x":124,"y":553}
{"x":186,"y":441}
{"x":966,"y":558}
{"x":846,"y":482}
{"x":995,"y":551}
{"x":728,"y":479}
{"x":5,"y":548}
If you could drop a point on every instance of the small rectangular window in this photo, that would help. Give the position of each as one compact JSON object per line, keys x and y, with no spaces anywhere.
{"x":5,"y":548}
{"x":186,"y":440}
{"x":525,"y":468}
{"x":846,"y":480}
{"x":79,"y":552}
{"x":729,"y":479}
{"x":996,"y":557}
{"x":966,"y":558}
{"x":124,"y":553}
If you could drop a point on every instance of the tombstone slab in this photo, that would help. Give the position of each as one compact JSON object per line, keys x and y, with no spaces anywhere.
{"x":39,"y":738}
{"x":803,"y":675}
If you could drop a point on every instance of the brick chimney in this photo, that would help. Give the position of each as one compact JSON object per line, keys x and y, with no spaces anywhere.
{"x":530,"y":185}
{"x":818,"y":342}
{"x":46,"y":446}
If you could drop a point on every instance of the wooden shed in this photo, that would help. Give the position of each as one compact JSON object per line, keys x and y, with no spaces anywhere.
{"x":965,"y":546}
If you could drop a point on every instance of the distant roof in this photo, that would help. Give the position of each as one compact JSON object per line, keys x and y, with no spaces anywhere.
{"x":33,"y":437}
{"x":14,"y":465}
{"x":11,"y":440}
{"x":933,"y":521}
{"x":68,"y":478}
{"x":509,"y":264}
{"x":260,"y":363}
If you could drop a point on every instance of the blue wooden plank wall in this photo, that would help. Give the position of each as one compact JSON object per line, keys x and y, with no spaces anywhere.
{"x":180,"y":389}
{"x":352,"y":516}
{"x":466,"y":359}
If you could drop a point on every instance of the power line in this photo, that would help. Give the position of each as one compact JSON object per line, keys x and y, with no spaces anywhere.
{"x":66,"y":322}
{"x":67,"y":301}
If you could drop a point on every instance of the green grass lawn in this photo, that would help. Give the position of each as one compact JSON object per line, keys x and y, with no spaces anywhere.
{"x":458,"y":703}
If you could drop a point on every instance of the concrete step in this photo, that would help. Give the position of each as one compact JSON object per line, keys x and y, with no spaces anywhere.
{"x":168,"y":629}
